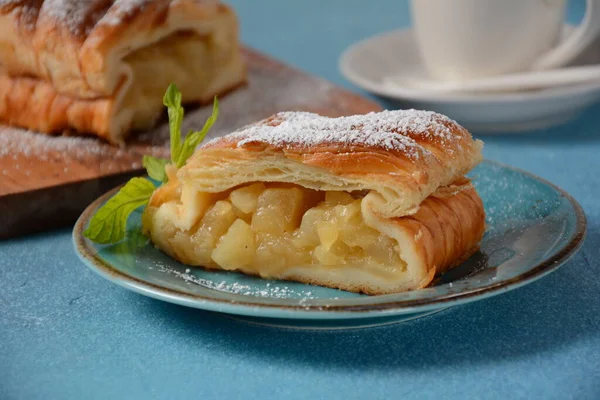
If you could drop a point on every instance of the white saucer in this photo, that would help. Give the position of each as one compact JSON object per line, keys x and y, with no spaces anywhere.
{"x":369,"y":63}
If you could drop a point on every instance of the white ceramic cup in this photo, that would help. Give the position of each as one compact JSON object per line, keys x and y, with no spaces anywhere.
{"x":466,"y":39}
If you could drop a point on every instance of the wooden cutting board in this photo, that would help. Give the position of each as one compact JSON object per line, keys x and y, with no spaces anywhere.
{"x":46,"y":182}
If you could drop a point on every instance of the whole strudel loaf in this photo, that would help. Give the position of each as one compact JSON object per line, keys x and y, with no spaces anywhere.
{"x":100,"y":66}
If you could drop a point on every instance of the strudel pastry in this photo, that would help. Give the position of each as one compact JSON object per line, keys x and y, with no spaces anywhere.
{"x":376,"y":203}
{"x":101,"y":66}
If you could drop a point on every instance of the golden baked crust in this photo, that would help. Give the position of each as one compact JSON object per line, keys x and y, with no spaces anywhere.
{"x":402,"y":178}
{"x":101,"y":66}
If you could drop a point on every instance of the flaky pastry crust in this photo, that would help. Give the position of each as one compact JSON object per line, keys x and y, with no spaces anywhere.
{"x":347,"y":153}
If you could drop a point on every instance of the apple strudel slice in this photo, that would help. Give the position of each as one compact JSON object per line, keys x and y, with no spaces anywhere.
{"x":376,"y":203}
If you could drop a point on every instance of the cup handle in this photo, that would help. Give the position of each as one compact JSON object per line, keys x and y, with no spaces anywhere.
{"x":575,"y":43}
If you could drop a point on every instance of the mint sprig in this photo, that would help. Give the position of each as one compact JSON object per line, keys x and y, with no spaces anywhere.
{"x":172,"y":100}
{"x":155,"y":168}
{"x":193,"y":139}
{"x":109,"y":224}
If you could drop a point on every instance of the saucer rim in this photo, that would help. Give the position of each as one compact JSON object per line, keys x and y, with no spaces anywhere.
{"x":350,"y":73}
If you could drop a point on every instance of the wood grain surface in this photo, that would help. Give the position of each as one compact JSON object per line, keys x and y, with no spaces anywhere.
{"x":46,"y":181}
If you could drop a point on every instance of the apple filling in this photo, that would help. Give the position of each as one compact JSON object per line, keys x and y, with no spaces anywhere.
{"x":152,"y":71}
{"x":265,"y":229}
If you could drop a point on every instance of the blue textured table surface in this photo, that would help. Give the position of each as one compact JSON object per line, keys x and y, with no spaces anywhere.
{"x":65,"y":333}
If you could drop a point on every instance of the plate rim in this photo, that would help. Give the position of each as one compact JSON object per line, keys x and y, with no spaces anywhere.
{"x":89,"y":256}
{"x":366,"y":84}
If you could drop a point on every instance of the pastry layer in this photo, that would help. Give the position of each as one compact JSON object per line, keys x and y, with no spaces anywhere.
{"x":401,"y":157}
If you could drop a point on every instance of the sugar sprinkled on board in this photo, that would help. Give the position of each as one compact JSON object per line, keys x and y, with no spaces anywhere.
{"x":393,"y":130}
{"x":15,"y":141}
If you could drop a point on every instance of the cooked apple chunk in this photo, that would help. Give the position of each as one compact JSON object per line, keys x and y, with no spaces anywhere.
{"x":236,"y":247}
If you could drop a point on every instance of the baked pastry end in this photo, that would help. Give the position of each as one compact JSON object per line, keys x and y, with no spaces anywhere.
{"x":101,"y":67}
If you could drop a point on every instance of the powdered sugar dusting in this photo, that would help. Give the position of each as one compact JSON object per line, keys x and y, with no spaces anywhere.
{"x":270,"y":290}
{"x":80,"y":16}
{"x":72,"y":10}
{"x":393,"y":130}
{"x":59,"y":154}
{"x":123,"y":9}
{"x":77,"y":15}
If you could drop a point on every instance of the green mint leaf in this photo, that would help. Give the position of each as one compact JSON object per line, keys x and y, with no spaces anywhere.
{"x":155,"y":168}
{"x":172,"y":100}
{"x":193,"y":139}
{"x":110,"y":221}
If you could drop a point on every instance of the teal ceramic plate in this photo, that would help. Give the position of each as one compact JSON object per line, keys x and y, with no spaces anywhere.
{"x":533,"y":228}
